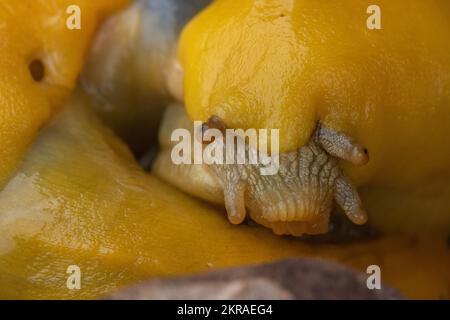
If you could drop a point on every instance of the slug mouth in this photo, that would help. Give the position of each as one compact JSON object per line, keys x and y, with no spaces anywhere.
{"x":296,"y":228}
{"x":294,"y":217}
{"x":290,"y":211}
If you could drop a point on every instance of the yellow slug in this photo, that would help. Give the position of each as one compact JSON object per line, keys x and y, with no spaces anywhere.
{"x":292,"y":64}
{"x":77,"y":196}
{"x":40,"y":59}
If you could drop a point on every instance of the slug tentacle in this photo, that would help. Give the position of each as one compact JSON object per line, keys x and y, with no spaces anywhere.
{"x":234,"y":195}
{"x":341,"y":146}
{"x":348,"y":199}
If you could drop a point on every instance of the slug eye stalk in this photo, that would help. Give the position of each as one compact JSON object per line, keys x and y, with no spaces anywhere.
{"x":341,"y":146}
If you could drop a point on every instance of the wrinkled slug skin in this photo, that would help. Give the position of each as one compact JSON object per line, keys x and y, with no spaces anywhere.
{"x":80,"y":199}
{"x":287,"y":64}
{"x":36,"y":30}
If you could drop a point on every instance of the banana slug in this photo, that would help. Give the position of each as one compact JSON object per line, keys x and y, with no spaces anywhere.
{"x":316,"y":72}
{"x":40,"y":60}
{"x":299,"y":66}
{"x":78,"y":197}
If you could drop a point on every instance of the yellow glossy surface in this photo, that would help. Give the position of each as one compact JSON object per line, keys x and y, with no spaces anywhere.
{"x":80,"y":199}
{"x":287,"y":64}
{"x":36,"y":30}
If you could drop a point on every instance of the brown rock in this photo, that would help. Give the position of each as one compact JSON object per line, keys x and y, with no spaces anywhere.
{"x":286,"y":279}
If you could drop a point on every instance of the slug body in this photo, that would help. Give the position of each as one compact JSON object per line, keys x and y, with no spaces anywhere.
{"x":313,"y":70}
{"x":38,"y":69}
{"x":293,"y":64}
{"x":131,"y":71}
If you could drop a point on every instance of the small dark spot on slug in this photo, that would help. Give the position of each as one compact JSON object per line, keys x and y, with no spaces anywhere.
{"x":37,"y":70}
{"x":282,"y":15}
{"x":366,"y":151}
{"x":214,"y":122}
{"x":206,"y":127}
